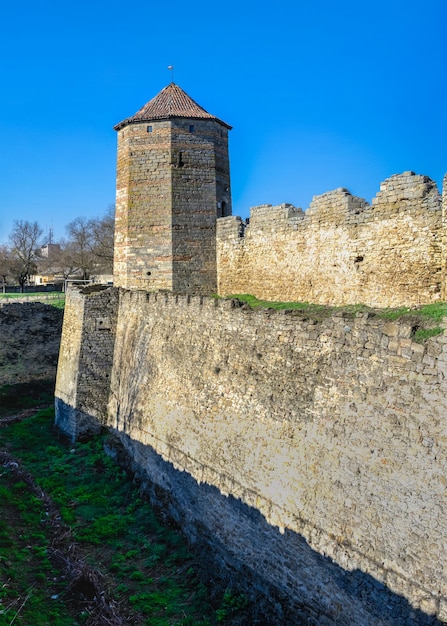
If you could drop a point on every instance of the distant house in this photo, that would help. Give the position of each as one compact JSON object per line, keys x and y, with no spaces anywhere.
{"x":43,"y":279}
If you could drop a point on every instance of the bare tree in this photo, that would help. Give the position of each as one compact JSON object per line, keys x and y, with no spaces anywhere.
{"x":103,"y":230}
{"x":5,"y":266}
{"x":90,"y":245}
{"x":24,"y":240}
{"x":81,"y":246}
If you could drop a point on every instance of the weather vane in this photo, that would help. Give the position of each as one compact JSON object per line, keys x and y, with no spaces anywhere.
{"x":171,"y":67}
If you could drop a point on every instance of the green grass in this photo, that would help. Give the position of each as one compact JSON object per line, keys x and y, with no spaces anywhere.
{"x":58,"y":303}
{"x":435,"y":312}
{"x":419,"y":335}
{"x":29,"y":579}
{"x":148,"y":567}
{"x":422,"y":318}
{"x":53,"y":298}
{"x":317,"y":312}
{"x":268,"y":304}
{"x":427,"y":320}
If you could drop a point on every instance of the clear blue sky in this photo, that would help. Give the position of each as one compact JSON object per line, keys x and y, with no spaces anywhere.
{"x":321,"y":94}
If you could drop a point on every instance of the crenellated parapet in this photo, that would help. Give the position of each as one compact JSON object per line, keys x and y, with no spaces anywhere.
{"x":406,"y":187}
{"x":338,"y":207}
{"x":341,"y":250}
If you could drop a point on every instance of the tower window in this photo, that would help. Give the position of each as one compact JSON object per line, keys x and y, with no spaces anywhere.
{"x":149,"y":129}
{"x":191,"y":128}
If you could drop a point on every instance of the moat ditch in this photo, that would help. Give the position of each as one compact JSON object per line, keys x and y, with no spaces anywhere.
{"x":50,"y":574}
{"x":79,"y":544}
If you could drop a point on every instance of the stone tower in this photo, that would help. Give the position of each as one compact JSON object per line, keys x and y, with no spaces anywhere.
{"x":173,"y":181}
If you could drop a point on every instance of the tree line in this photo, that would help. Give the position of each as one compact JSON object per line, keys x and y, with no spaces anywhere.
{"x":86,"y":251}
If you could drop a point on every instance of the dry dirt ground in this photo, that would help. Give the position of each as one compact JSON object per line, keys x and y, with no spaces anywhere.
{"x":30,"y":335}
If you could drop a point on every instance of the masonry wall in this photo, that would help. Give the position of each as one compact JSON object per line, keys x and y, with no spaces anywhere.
{"x":341,"y":250}
{"x":85,"y":360}
{"x":143,"y":220}
{"x":444,"y":237}
{"x":313,"y":452}
{"x":173,"y":179}
{"x":199,"y":179}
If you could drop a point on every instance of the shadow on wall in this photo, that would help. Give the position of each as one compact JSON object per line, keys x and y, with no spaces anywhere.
{"x":287,"y":582}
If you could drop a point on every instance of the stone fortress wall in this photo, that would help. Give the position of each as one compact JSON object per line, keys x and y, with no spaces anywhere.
{"x":306,"y":457}
{"x":341,"y":250}
{"x":311,"y":453}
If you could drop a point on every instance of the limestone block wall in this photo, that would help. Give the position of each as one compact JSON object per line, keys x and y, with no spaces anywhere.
{"x":444,"y":238}
{"x":173,"y":179}
{"x":85,"y":360}
{"x":200,"y":176}
{"x":341,"y":250}
{"x":313,"y":452}
{"x":143,"y":220}
{"x":335,"y":431}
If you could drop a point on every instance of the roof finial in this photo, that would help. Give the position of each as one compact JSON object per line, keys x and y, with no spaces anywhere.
{"x":171,"y":67}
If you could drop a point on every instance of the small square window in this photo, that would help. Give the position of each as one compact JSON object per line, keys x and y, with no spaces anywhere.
{"x":149,"y":129}
{"x":191,"y":128}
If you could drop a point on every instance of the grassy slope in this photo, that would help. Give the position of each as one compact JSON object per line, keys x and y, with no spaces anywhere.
{"x":93,"y":532}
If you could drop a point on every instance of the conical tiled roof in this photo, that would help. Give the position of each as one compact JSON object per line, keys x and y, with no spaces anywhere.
{"x":171,"y":102}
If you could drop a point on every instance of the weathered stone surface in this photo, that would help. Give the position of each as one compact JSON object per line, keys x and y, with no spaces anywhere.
{"x":309,"y":458}
{"x":172,"y":183}
{"x":341,"y":250}
{"x":334,"y":445}
{"x":85,"y":361}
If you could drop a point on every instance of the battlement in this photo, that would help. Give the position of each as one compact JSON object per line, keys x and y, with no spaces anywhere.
{"x":341,"y":250}
{"x":174,"y":229}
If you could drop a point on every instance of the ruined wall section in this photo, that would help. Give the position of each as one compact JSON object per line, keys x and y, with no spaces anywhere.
{"x":333,"y":430}
{"x":66,"y":391}
{"x":341,"y":250}
{"x":85,"y":360}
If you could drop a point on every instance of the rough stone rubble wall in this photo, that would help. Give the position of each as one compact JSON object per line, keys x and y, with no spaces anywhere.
{"x":341,"y":250}
{"x":334,"y":431}
{"x":30,"y":338}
